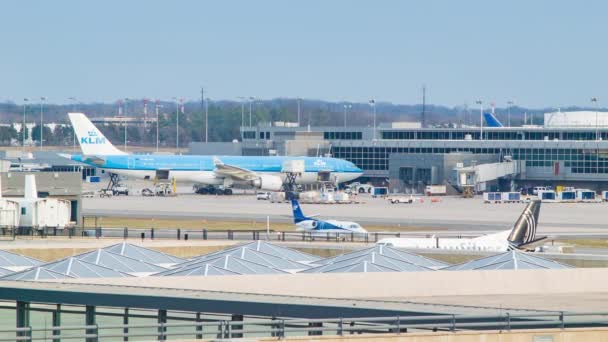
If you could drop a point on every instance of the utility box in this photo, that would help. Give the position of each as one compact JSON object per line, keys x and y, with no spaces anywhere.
{"x":293,"y":166}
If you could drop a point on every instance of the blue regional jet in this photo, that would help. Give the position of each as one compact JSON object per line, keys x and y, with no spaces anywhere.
{"x":262,"y":172}
{"x":311,"y":224}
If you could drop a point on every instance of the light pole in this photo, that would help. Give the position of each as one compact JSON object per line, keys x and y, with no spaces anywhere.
{"x":480,"y":103}
{"x":346,"y":107}
{"x":251,"y":98}
{"x":510,"y":103}
{"x":207,"y":121}
{"x":177,"y":123}
{"x":73,"y":129}
{"x":242,"y":100}
{"x":42,"y":99}
{"x":299,"y":100}
{"x":23,"y":129}
{"x":124,"y":120}
{"x":597,"y":127}
{"x":158,"y":105}
{"x":372,"y":103}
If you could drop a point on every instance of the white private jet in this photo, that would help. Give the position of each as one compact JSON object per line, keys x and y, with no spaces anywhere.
{"x":311,"y":224}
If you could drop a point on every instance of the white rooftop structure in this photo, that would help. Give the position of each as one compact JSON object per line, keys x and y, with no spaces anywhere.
{"x":376,"y":259}
{"x":272,"y":249}
{"x":66,"y":268}
{"x":120,"y":263}
{"x":15,"y":262}
{"x":252,"y":255}
{"x":144,"y":254}
{"x":223,"y":265}
{"x":576,"y":119}
{"x":386,"y":251}
{"x":4,"y":271}
{"x":513,"y":260}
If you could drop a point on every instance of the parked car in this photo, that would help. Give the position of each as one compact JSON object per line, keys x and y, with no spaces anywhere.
{"x":147,"y":192}
{"x":120,"y":190}
{"x":263,"y":195}
{"x":88,"y":194}
{"x":106,"y":193}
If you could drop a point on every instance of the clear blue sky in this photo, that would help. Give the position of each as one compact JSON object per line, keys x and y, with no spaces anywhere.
{"x":540,"y":53}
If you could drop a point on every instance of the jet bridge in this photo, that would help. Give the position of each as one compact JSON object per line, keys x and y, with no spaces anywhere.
{"x":477,"y":176}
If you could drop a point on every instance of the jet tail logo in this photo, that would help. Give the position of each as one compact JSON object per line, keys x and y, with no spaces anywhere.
{"x":92,"y":139}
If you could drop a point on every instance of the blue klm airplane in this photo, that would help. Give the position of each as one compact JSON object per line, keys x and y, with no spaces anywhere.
{"x":262,"y":172}
{"x":311,"y":224}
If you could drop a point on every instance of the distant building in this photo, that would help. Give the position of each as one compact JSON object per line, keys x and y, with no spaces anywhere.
{"x":407,"y":154}
{"x":576,"y":119}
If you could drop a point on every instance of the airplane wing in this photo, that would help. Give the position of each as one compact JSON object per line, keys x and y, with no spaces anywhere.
{"x":235,"y":172}
{"x":530,"y":245}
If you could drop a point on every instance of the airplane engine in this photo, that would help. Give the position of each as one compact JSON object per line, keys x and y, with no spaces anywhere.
{"x":269,"y":183}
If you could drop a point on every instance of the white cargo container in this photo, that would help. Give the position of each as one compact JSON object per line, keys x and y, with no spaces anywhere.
{"x":309,"y":196}
{"x":342,"y":197}
{"x":492,"y":197}
{"x":549,"y":196}
{"x":511,"y":197}
{"x":52,"y":212}
{"x":435,"y":190}
{"x":585,"y":195}
{"x":9,"y":213}
{"x":327,"y":197}
{"x":277,"y":197}
{"x":567,"y":196}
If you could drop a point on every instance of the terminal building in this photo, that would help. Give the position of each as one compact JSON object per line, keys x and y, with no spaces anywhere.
{"x":406,"y":156}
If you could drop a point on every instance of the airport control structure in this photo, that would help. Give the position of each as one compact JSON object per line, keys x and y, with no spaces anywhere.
{"x":570,"y":149}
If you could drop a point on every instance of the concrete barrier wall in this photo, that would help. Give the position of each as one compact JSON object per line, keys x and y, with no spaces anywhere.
{"x":544,"y":335}
{"x":388,"y":285}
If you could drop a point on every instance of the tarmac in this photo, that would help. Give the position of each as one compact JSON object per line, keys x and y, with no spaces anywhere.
{"x":456,"y":215}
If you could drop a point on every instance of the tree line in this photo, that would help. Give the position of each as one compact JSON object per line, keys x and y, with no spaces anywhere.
{"x":225,"y":118}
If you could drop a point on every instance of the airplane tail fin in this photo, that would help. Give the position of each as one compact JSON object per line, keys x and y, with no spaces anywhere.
{"x":524,"y":230}
{"x":491,"y":120}
{"x":298,"y":215}
{"x":91,"y":140}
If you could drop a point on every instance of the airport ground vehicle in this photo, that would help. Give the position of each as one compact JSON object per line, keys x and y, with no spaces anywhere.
{"x":203,"y":189}
{"x":379,"y":191}
{"x":147,"y":192}
{"x":120,"y":190}
{"x":360,"y":188}
{"x":401,"y":199}
{"x":435,"y":190}
{"x":88,"y":194}
{"x":263,"y":195}
{"x":106,"y":193}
